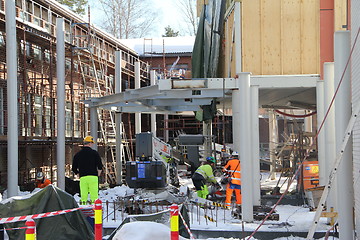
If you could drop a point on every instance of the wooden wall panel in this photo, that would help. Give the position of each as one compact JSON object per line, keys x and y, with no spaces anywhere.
{"x":228,"y":50}
{"x":291,"y":40}
{"x":251,"y":44}
{"x":278,"y":37}
{"x":271,"y":32}
{"x":310,"y":48}
{"x":340,"y":14}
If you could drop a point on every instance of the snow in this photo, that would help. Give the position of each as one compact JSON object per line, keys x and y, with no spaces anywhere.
{"x":292,"y":218}
{"x":160,"y":45}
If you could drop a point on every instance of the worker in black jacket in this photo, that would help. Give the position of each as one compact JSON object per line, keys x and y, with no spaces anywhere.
{"x":87,"y":163}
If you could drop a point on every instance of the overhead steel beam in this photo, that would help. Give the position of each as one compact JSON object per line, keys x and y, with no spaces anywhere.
{"x":174,"y":95}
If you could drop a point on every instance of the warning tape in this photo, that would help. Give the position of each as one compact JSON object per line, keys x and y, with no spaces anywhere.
{"x":220,"y":205}
{"x":207,"y":205}
{"x":40,"y":215}
{"x":186,"y":226}
{"x":9,"y":229}
{"x":209,"y":218}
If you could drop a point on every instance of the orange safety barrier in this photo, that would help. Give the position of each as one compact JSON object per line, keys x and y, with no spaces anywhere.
{"x":98,"y":219}
{"x":30,"y":233}
{"x":174,"y":222}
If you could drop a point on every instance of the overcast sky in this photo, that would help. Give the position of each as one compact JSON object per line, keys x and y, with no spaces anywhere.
{"x":168,"y":15}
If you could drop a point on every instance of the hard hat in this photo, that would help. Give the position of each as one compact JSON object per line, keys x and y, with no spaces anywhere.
{"x":211,"y":159}
{"x":39,"y":176}
{"x":235,"y":154}
{"x":89,"y":139}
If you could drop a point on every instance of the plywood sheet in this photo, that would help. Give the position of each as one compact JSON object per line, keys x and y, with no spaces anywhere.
{"x":310,"y":35}
{"x":291,"y":31}
{"x":278,"y":37}
{"x":271,"y":37}
{"x":251,"y":43}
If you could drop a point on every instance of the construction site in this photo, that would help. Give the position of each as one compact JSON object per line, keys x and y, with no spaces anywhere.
{"x":275,"y":83}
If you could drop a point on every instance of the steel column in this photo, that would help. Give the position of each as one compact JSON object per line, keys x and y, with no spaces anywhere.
{"x":60,"y":90}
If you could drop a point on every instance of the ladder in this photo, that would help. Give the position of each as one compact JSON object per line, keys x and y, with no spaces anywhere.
{"x":333,"y":172}
{"x":107,"y":131}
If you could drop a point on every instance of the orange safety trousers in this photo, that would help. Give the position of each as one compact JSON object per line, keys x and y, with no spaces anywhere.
{"x":229,"y":193}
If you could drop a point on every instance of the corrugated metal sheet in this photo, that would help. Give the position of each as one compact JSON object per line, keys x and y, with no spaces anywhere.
{"x":355,"y":72}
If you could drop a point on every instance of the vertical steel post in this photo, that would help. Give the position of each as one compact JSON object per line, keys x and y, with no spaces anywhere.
{"x":321,"y":135}
{"x":12,"y":101}
{"x":255,"y":142}
{"x":137,"y":85}
{"x":60,"y":90}
{"x":118,"y":119}
{"x":329,"y":132}
{"x":345,"y":190}
{"x":153,"y":115}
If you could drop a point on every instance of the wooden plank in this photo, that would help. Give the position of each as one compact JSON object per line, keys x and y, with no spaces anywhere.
{"x":291,"y":37}
{"x":251,"y":37}
{"x":310,"y":50}
{"x":340,"y":14}
{"x":329,"y":214}
{"x":228,"y":50}
{"x":271,"y":30}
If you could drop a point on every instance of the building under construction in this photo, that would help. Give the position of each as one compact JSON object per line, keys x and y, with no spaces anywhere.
{"x":89,"y":69}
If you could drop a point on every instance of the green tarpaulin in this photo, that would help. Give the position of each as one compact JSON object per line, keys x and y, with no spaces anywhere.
{"x":205,"y":56}
{"x":68,"y":226}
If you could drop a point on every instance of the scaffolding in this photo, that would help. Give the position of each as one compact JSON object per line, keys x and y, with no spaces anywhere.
{"x":90,"y":70}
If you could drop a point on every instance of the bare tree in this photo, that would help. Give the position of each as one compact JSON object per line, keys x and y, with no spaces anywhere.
{"x":188,"y":9}
{"x":128,"y":18}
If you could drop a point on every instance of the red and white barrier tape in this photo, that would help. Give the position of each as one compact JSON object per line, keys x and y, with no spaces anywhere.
{"x":40,"y":215}
{"x":186,"y":226}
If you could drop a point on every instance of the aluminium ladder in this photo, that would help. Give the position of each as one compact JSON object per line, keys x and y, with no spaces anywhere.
{"x":333,"y":172}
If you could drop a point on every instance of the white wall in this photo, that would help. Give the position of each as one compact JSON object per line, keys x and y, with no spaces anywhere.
{"x":355,"y":78}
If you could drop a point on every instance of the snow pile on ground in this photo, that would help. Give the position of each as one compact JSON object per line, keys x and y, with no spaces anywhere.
{"x":143,"y":230}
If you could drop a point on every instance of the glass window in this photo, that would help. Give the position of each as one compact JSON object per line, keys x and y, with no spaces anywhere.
{"x":37,"y":52}
{"x":2,"y":41}
{"x":38,"y":115}
{"x":68,"y":120}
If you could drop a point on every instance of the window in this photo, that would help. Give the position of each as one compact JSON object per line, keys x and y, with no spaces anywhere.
{"x":77,"y":130}
{"x":37,"y":52}
{"x":68,"y":120}
{"x":47,"y":56}
{"x":38,"y":115}
{"x":2,"y":41}
{"x":48,"y":102}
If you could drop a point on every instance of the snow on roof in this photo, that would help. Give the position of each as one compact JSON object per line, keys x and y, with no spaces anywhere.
{"x":147,"y":46}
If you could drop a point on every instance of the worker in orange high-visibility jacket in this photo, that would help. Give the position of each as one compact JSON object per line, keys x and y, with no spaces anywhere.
{"x":41,"y":181}
{"x":232,"y":168}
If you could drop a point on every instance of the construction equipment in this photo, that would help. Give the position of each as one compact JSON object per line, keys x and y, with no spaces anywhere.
{"x":154,"y":167}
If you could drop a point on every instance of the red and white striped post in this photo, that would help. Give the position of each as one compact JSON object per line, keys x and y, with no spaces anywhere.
{"x":98,"y":219}
{"x":30,"y":233}
{"x":174,"y":222}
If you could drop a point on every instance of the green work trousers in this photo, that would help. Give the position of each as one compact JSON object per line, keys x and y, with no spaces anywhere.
{"x":89,"y":184}
{"x":203,"y":192}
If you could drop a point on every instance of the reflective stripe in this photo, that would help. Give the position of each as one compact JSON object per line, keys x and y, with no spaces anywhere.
{"x":201,"y":172}
{"x":231,"y":171}
{"x":236,"y":179}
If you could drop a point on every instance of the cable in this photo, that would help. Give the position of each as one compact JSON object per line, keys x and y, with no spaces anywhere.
{"x":295,"y":116}
{"x":316,"y":136}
